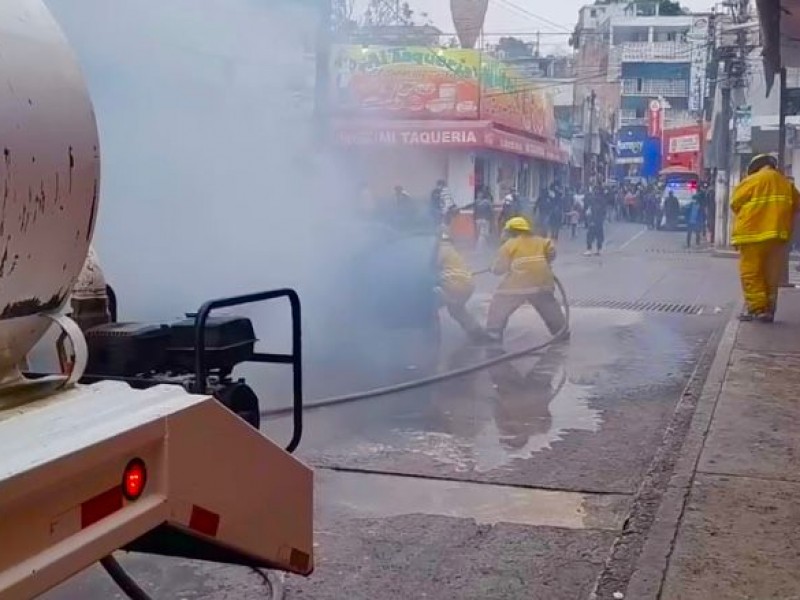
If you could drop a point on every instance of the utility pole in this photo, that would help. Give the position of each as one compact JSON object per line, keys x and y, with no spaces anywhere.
{"x":588,"y":147}
{"x":733,"y":76}
{"x":724,"y":164}
{"x":782,"y":162}
{"x":782,"y":122}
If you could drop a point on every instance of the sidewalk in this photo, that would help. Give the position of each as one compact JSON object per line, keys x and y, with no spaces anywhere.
{"x":729,"y":524}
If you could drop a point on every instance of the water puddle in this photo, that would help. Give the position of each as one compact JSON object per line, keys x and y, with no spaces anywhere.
{"x":371,"y":495}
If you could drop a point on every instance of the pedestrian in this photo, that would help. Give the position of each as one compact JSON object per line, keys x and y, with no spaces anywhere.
{"x":484,"y":215}
{"x":711,"y":213}
{"x":630,"y":205}
{"x":611,"y":203}
{"x":764,"y":205}
{"x":580,"y":200}
{"x":595,"y":223}
{"x":404,"y":206}
{"x":574,"y":216}
{"x":456,"y":287}
{"x":508,"y":210}
{"x":524,"y":260}
{"x":555,"y":217}
{"x":650,"y":209}
{"x":695,"y":221}
{"x":442,"y":204}
{"x":672,"y":210}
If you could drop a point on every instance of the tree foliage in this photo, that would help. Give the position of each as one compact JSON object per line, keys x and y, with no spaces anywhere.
{"x":388,"y":12}
{"x":343,"y":15}
{"x":667,"y":8}
{"x":513,"y":47}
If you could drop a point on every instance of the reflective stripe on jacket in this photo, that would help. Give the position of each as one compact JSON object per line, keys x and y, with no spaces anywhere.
{"x":455,"y":277}
{"x":525,"y":262}
{"x":764,"y":204}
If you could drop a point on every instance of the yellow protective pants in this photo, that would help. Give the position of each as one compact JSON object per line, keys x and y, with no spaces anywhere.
{"x":456,"y":302}
{"x":503,"y":306}
{"x":760,"y":269}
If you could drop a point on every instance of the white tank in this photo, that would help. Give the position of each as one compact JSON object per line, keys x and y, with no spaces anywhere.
{"x":49,"y":175}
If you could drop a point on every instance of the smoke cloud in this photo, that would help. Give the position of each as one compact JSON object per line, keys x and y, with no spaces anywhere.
{"x":203,"y":109}
{"x":211,"y":181}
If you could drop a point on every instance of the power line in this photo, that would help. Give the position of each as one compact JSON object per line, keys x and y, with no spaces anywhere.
{"x":509,"y":5}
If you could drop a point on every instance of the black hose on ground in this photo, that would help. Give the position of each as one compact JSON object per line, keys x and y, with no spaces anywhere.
{"x":273,"y":582}
{"x":123,"y":580}
{"x":438,"y":378}
{"x":135,"y":592}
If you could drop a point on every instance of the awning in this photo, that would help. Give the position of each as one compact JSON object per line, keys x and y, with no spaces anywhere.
{"x":443,"y":134}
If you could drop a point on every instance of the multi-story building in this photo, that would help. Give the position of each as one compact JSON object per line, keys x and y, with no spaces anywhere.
{"x":652,"y":57}
{"x":644,"y":56}
{"x":596,"y":91}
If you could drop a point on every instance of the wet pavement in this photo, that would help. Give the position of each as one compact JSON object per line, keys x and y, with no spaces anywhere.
{"x":508,"y":483}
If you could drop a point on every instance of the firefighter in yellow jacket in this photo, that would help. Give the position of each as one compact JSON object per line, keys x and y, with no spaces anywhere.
{"x":524,"y":261}
{"x":456,"y":287}
{"x":764,"y":205}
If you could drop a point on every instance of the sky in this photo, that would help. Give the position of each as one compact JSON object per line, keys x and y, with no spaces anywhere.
{"x":555,"y":19}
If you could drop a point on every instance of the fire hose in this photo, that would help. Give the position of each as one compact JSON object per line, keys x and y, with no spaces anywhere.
{"x":439,"y":377}
{"x":275,"y":589}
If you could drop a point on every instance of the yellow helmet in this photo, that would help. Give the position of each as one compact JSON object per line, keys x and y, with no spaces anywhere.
{"x":760,"y":161}
{"x":518,"y":224}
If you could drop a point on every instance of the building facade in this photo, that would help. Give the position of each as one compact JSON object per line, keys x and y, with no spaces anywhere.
{"x":652,"y":56}
{"x":409,"y":116}
{"x":596,"y":93}
{"x":654,"y":67}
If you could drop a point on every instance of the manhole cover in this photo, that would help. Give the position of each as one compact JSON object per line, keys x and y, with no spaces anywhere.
{"x":646,"y":306}
{"x":684,"y":251}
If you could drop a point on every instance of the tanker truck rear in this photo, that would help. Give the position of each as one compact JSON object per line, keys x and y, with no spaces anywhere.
{"x":90,"y":465}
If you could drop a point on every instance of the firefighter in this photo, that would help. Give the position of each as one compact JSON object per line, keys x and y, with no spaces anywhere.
{"x":456,"y":287}
{"x":524,"y":259}
{"x":764,"y":205}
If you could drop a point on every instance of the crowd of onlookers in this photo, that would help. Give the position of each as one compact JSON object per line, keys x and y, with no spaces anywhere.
{"x":558,"y":208}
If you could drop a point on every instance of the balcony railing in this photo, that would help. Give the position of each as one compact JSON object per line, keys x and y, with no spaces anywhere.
{"x":679,"y":117}
{"x":672,"y":117}
{"x":656,"y":52}
{"x":655,"y":87}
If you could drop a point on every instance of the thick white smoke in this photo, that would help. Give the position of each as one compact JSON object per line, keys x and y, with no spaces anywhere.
{"x":212,"y":184}
{"x":204,"y":113}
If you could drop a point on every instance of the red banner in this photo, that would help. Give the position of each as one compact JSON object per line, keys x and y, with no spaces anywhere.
{"x":683,"y":147}
{"x":655,"y":119}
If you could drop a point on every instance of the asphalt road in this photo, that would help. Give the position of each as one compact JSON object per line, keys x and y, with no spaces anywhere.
{"x":512,"y":483}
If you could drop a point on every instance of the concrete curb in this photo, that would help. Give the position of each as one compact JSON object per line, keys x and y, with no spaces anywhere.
{"x":725,"y":253}
{"x":653,"y":561}
{"x":732,"y":253}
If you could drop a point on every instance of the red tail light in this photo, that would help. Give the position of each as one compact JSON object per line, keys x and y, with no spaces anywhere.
{"x":134,"y":479}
